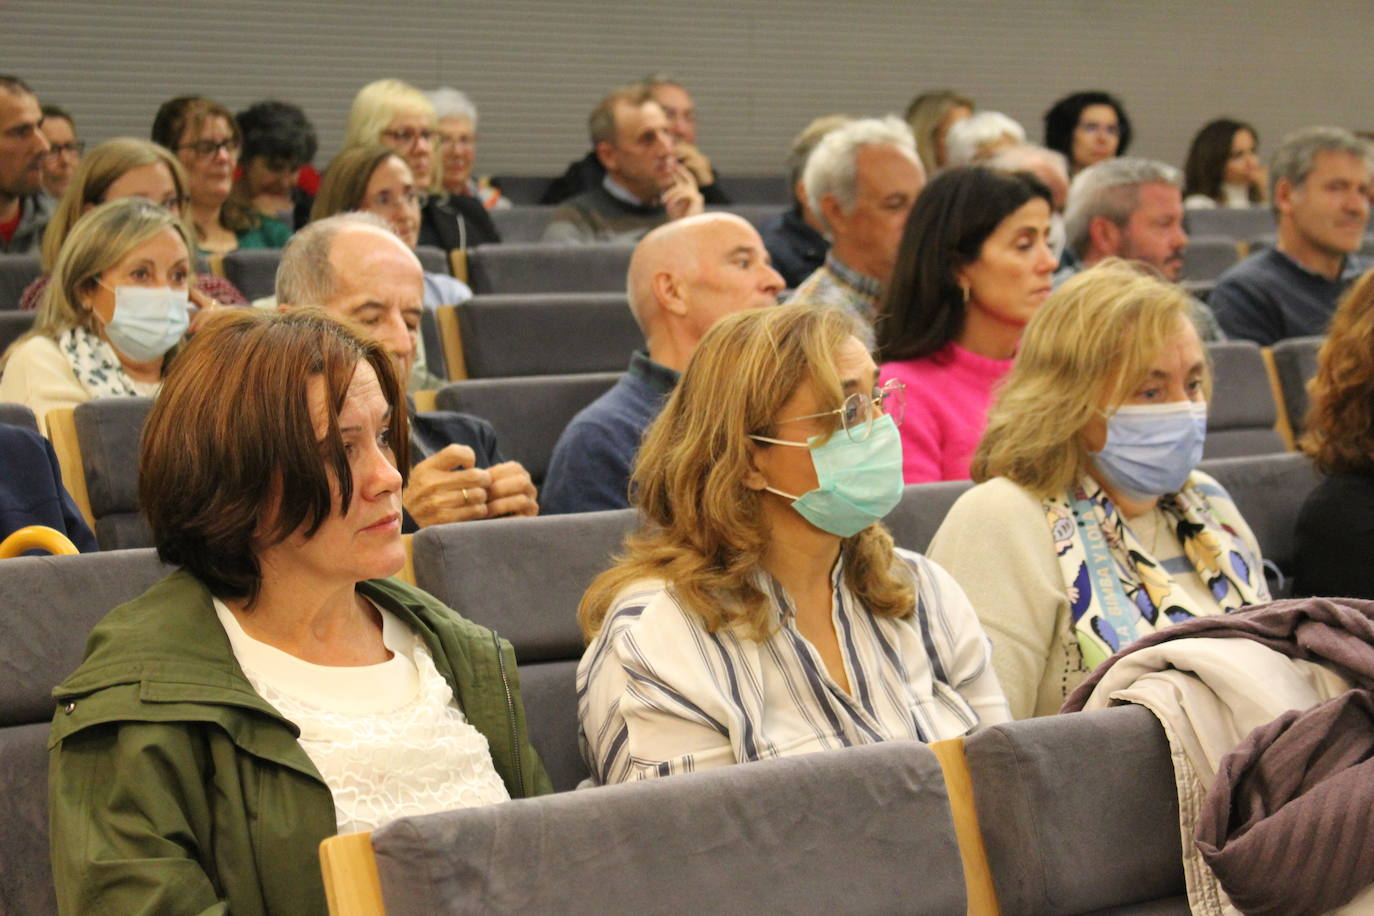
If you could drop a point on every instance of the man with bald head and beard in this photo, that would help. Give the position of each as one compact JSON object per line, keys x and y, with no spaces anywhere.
{"x":683,"y":278}
{"x":354,"y":267}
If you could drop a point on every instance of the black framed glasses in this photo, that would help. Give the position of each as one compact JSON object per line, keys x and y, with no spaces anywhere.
{"x":408,"y":136}
{"x":204,"y":149}
{"x":74,"y":148}
{"x":386,"y":199}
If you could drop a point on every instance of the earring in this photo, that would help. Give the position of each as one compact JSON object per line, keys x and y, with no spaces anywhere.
{"x":968,"y":291}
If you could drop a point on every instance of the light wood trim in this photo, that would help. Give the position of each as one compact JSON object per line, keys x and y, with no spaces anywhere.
{"x":351,"y":884}
{"x":1281,"y":425}
{"x":217,"y":264}
{"x":426,"y":399}
{"x":61,"y":428}
{"x":451,"y":338}
{"x":982,"y":893}
{"x":407,"y":573}
{"x":458,"y":263}
{"x":1243,"y":248}
{"x":36,"y":537}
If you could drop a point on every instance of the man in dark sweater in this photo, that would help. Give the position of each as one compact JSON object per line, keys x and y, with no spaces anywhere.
{"x":683,"y":278}
{"x":644,"y":185}
{"x":355,"y":267}
{"x":1319,"y":184}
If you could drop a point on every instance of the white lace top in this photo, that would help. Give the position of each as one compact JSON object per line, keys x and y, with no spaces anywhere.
{"x":388,"y":739}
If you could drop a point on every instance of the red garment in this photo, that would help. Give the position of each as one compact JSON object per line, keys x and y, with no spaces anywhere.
{"x":7,"y":229}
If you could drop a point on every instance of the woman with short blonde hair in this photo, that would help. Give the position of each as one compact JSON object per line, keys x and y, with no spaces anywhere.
{"x":761,"y":486}
{"x":1093,"y":441}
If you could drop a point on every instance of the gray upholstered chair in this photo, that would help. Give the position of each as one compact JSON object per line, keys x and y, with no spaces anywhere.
{"x":1237,"y":224}
{"x":14,"y":325}
{"x":1295,"y":361}
{"x":756,"y":214}
{"x":864,"y":829}
{"x":546,"y":335}
{"x":18,"y":415}
{"x":536,"y":267}
{"x":522,"y":190}
{"x":1208,"y":257}
{"x":252,"y":270}
{"x":1078,"y":814}
{"x":756,"y":189}
{"x":17,"y":271}
{"x":522,"y":223}
{"x":523,"y":578}
{"x":529,"y":412}
{"x":108,"y":430}
{"x":433,"y":260}
{"x":47,"y":606}
{"x":923,"y":507}
{"x":1242,"y":414}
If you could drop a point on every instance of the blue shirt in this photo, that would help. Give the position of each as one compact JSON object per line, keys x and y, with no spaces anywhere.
{"x":1269,"y":297}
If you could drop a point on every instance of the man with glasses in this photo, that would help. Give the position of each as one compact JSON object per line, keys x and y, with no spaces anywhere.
{"x":683,"y":278}
{"x":24,"y":209}
{"x":64,"y":150}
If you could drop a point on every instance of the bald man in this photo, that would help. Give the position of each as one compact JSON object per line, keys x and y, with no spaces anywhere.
{"x":683,"y":278}
{"x":353,"y":266}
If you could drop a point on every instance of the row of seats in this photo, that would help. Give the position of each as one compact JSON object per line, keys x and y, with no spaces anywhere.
{"x":528,"y":190}
{"x":527,"y":223}
{"x":524,"y":578}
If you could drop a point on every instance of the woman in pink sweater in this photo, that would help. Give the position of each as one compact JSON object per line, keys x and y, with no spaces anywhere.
{"x":974,"y":266}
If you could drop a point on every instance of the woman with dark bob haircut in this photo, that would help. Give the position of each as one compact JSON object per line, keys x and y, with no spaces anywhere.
{"x":278,"y":688}
{"x":1335,"y":530}
{"x":1087,"y":127}
{"x":973,"y":267}
{"x":1223,"y":167}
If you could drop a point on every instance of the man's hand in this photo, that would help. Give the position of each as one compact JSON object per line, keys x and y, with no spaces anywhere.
{"x":445,"y":487}
{"x":511,"y":491}
{"x":681,"y":198}
{"x":695,"y":161}
{"x":205,"y":307}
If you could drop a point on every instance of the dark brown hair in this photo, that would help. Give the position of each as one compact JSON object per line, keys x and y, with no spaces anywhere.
{"x":1339,"y":430}
{"x":231,"y":437}
{"x":1207,"y":158}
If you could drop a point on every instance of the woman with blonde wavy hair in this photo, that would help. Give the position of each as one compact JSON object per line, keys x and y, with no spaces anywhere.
{"x":1090,"y":525}
{"x":762,"y":610}
{"x":1335,"y":530}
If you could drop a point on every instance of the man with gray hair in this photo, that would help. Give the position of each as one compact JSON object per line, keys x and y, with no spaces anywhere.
{"x":354,"y":267}
{"x":1319,"y":183}
{"x":861,"y":181}
{"x":981,"y":136}
{"x":1130,"y":208}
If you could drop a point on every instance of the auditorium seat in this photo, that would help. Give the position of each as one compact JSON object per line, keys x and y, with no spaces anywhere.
{"x":756,"y":189}
{"x":1242,"y":413}
{"x":432,"y":340}
{"x":542,"y":335}
{"x":1295,"y":363}
{"x":1236,"y":223}
{"x":529,"y":412}
{"x":13,"y":325}
{"x":754,"y":214}
{"x":523,"y":578}
{"x":433,"y":260}
{"x":108,"y":430}
{"x":923,"y":507}
{"x":17,"y":271}
{"x":521,"y":190}
{"x":1079,"y":814}
{"x":534,"y":267}
{"x":47,"y":607}
{"x":522,"y":223}
{"x":18,"y":415}
{"x":864,"y":829}
{"x":252,"y":270}
{"x":1209,"y":256}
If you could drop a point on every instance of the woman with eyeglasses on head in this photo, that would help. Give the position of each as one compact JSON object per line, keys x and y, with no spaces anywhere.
{"x":206,"y":139}
{"x":762,"y":610}
{"x":1087,"y":127}
{"x":113,"y":170}
{"x":1090,"y":525}
{"x":396,"y":114}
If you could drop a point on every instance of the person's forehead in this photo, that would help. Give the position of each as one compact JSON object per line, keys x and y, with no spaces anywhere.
{"x":719,"y":237}
{"x":1159,"y":195}
{"x":1330,"y":162}
{"x":1098,"y":113}
{"x":885,"y":168}
{"x":375,"y":264}
{"x":854,"y":363}
{"x":456,"y":123}
{"x":633,"y":119}
{"x":165,"y":247}
{"x":211,"y":126}
{"x":673,"y":96}
{"x":58,"y":127}
{"x":16,"y":108}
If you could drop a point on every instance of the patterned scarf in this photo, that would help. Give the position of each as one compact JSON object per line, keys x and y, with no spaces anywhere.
{"x":1118,"y":592}
{"x":95,"y":365}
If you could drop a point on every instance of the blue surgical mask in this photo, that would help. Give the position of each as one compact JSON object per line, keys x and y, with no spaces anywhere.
{"x":857,"y":483}
{"x":148,"y":320}
{"x":1152,"y":448}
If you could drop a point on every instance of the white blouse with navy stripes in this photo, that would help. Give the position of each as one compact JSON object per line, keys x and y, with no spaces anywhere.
{"x":657,"y":694}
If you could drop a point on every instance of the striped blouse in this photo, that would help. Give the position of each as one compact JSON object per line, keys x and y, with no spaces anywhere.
{"x":657,"y":694}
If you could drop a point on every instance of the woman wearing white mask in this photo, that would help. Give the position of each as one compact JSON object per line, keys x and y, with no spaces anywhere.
{"x":1090,"y":526}
{"x":116,"y":308}
{"x":762,"y":610}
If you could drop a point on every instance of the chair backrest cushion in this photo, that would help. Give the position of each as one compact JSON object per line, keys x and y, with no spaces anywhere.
{"x":109,"y":430}
{"x":1295,"y":360}
{"x":253,"y":270}
{"x":1269,"y":491}
{"x":17,"y":271}
{"x":549,"y":694}
{"x":1242,"y":414}
{"x":18,"y":415}
{"x":923,"y":507}
{"x":537,"y":267}
{"x":861,"y":829}
{"x":546,"y":338}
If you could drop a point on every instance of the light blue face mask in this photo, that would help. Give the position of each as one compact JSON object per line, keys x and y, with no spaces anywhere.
{"x":1152,"y":448}
{"x":148,"y":320}
{"x":857,"y":483}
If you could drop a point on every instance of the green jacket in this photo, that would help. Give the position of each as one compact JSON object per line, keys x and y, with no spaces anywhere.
{"x":174,"y":788}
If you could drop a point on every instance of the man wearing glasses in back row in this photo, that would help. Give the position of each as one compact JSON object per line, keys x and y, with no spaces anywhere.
{"x":24,"y":209}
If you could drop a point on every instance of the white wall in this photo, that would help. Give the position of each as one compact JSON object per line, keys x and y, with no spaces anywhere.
{"x":760,"y":69}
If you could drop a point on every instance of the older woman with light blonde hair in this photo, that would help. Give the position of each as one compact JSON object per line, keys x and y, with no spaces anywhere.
{"x":1090,"y":525}
{"x":761,"y":485}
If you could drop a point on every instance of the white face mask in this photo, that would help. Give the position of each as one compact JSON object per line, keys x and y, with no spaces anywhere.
{"x":148,"y":320}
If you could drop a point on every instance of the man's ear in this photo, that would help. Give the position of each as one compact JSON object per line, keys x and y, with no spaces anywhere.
{"x":670,"y":292}
{"x":1105,"y":236}
{"x":606,"y":154}
{"x":832,"y":211}
{"x":1283,"y":195}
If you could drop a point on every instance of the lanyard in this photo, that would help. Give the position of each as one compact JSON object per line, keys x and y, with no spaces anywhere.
{"x":1117,"y":610}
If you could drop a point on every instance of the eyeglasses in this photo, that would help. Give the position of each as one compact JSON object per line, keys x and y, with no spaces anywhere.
{"x":408,"y":136}
{"x":75,"y":148}
{"x":204,"y":149}
{"x":385,"y":200}
{"x":1092,"y":127}
{"x":858,"y":412}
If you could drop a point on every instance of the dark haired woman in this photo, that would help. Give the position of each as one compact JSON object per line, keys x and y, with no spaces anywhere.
{"x":278,"y":141}
{"x":278,"y":688}
{"x":1223,"y":167}
{"x":973,"y":267}
{"x":1087,"y":127}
